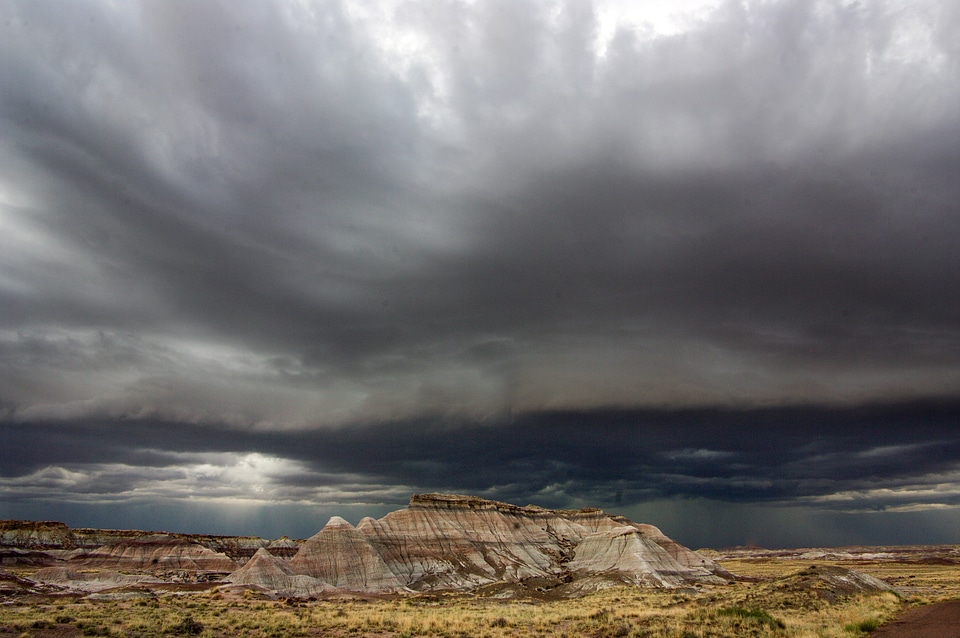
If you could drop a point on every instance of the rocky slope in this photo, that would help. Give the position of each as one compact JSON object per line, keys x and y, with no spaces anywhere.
{"x":452,"y":542}
{"x":273,"y":574}
{"x":439,"y":542}
{"x":36,"y":535}
{"x":343,"y":556}
{"x":59,"y":541}
{"x":156,"y":554}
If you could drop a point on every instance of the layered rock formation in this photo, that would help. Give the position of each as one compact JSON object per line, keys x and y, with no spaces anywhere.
{"x":156,"y":553}
{"x":90,"y":581}
{"x":452,"y":542}
{"x":438,"y":542}
{"x":283,"y":547}
{"x":35,"y":535}
{"x":343,"y":556}
{"x":61,"y":542}
{"x":273,"y":574}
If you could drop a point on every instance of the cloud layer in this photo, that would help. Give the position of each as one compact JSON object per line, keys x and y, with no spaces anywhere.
{"x":336,"y":221}
{"x":875,"y":461}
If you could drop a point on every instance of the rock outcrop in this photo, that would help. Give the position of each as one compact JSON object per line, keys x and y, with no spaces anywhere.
{"x":56,"y":539}
{"x":35,"y":535}
{"x":283,"y":547}
{"x":90,"y":581}
{"x":16,"y":557}
{"x":238,"y":548}
{"x":439,"y":542}
{"x":274,"y":575}
{"x":628,"y":555}
{"x":832,"y":583}
{"x":452,"y":542}
{"x":156,"y":553}
{"x":343,"y":556}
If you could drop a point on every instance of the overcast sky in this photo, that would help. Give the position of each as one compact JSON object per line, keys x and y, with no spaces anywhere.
{"x":263,"y":261}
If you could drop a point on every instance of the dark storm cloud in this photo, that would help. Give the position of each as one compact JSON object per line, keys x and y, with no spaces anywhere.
{"x":874,"y":457}
{"x":509,"y":213}
{"x":337,"y":252}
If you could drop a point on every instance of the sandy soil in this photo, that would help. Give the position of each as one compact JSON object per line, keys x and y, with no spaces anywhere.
{"x":940,"y":620}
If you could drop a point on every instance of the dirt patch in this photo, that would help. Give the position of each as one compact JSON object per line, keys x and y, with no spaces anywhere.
{"x":933,"y":621}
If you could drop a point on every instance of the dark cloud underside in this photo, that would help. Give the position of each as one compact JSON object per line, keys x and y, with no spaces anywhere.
{"x":304,"y":231}
{"x":865,"y":454}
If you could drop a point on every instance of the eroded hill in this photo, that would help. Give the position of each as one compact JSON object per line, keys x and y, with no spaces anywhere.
{"x":439,"y":542}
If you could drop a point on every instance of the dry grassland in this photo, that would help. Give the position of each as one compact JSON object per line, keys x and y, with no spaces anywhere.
{"x":768,"y":606}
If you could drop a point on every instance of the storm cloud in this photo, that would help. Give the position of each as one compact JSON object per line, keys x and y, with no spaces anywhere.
{"x":364,"y":249}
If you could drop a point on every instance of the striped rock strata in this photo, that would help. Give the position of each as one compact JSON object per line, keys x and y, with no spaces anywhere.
{"x":90,"y":582}
{"x":275,"y":575}
{"x":62,"y":543}
{"x":156,"y":553}
{"x":453,"y":542}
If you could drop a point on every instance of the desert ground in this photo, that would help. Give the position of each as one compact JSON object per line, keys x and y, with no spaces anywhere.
{"x":776,"y":593}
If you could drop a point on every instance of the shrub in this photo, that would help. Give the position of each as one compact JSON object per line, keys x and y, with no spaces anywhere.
{"x":619,"y":631}
{"x":601,"y":614}
{"x":188,"y":626}
{"x":758,"y":616}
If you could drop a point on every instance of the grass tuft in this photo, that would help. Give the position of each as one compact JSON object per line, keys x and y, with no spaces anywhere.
{"x":863,"y":627}
{"x":188,"y":626}
{"x":758,"y":616}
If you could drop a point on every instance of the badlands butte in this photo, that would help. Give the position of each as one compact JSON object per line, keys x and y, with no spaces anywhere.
{"x":438,"y":543}
{"x":452,"y":566}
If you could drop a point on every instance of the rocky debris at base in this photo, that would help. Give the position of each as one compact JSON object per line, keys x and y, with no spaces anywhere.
{"x":90,"y":581}
{"x":12,"y":586}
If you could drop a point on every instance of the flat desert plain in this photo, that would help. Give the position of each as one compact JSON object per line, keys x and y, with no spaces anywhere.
{"x":800,"y":593}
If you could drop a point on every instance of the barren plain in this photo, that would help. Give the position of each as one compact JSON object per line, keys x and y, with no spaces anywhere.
{"x":771,"y":597}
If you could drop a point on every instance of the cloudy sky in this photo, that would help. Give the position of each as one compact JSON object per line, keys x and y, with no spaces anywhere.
{"x":266,"y":261}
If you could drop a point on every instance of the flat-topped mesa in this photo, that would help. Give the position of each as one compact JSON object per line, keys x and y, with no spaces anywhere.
{"x":36,"y":535}
{"x":440,"y":542}
{"x":461,"y":501}
{"x":458,"y":542}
